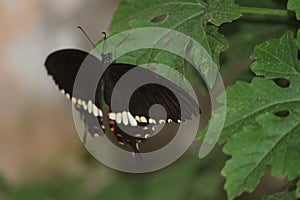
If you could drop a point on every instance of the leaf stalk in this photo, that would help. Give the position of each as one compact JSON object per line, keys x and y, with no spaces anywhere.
{"x":266,"y":11}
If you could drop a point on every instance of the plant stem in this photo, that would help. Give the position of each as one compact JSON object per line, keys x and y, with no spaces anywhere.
{"x":265,"y":11}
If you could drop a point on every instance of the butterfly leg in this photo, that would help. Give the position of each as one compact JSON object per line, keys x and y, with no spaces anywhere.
{"x":84,"y":135}
{"x":136,"y":151}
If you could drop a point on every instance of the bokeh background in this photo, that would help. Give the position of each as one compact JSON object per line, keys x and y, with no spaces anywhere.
{"x":41,"y":156}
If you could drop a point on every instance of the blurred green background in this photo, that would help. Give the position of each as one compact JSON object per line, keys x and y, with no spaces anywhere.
{"x":41,"y":156}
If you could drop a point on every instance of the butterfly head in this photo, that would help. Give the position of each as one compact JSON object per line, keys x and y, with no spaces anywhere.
{"x":107,"y":58}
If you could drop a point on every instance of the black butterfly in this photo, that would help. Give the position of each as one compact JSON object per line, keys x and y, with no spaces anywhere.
{"x":64,"y":65}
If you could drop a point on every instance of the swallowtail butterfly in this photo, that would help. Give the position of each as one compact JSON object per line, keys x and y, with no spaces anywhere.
{"x":63,"y":66}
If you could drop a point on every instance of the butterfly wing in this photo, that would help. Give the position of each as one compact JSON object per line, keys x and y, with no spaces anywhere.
{"x":158,"y":91}
{"x":64,"y":66}
{"x":178,"y":104}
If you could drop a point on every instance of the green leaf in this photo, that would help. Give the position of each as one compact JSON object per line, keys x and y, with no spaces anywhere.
{"x":245,"y":102}
{"x":277,"y":58}
{"x":242,"y":39}
{"x":191,"y":17}
{"x":282,"y":196}
{"x":221,"y":11}
{"x":258,"y":136}
{"x":274,"y":142}
{"x":179,"y":13}
{"x":294,"y":5}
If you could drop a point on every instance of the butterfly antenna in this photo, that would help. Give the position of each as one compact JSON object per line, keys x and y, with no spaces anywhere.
{"x":86,"y":35}
{"x":104,"y":43}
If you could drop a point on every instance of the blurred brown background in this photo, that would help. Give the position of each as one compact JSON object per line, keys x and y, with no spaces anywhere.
{"x":37,"y":131}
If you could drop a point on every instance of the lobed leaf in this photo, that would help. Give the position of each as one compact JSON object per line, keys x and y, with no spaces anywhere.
{"x":263,"y":119}
{"x":195,"y":18}
{"x":274,"y":142}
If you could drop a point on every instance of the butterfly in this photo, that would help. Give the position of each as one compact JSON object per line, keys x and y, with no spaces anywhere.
{"x":64,"y":66}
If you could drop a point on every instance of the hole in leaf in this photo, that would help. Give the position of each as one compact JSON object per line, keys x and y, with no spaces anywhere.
{"x":298,"y":55}
{"x":160,"y":18}
{"x":282,"y":82}
{"x":282,"y":113}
